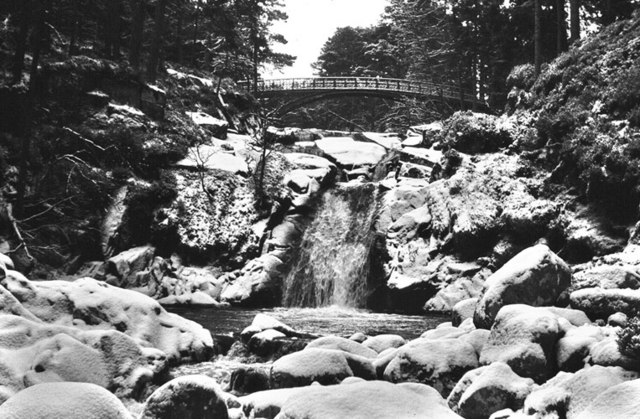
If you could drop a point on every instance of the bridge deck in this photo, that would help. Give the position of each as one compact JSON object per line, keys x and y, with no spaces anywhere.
{"x":316,"y":84}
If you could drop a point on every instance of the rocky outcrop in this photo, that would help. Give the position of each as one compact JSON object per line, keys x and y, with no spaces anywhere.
{"x":366,"y":401}
{"x":536,"y":277}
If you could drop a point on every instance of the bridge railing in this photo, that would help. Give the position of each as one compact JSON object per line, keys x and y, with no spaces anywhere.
{"x":354,"y":83}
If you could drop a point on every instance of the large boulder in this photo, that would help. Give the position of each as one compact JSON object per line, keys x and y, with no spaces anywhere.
{"x":439,"y":363}
{"x":325,"y":366}
{"x":568,"y":395}
{"x":267,"y":404}
{"x":89,"y":304}
{"x":192,"y":396}
{"x":536,"y":276}
{"x":524,"y":337}
{"x":618,"y":402}
{"x":600,"y":303}
{"x":485,"y":390}
{"x":366,"y":400}
{"x":64,"y":401}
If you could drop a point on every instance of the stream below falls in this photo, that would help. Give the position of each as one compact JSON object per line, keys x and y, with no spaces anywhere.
{"x":321,"y":321}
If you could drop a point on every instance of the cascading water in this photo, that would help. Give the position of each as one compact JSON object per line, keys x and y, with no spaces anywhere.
{"x":333,"y":261}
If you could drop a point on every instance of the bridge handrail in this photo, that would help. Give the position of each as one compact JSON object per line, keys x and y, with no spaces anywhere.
{"x":354,"y":83}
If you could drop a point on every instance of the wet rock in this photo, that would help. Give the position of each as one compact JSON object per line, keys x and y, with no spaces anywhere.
{"x":601,"y":303}
{"x":265,"y":343}
{"x":439,"y":363}
{"x":523,"y":337}
{"x":486,"y":390}
{"x":568,"y":395}
{"x":192,"y":396}
{"x":64,"y":400}
{"x":366,"y":400}
{"x":536,"y":276}
{"x":247,"y":380}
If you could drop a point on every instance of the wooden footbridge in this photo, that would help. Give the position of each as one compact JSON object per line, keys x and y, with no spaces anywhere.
{"x":292,"y":93}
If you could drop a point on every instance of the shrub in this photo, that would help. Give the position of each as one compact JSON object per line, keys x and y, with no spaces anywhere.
{"x":470,"y":132}
{"x":629,"y":338}
{"x":521,"y":76}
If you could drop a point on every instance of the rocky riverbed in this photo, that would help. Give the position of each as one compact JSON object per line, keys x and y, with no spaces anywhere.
{"x":543,"y":340}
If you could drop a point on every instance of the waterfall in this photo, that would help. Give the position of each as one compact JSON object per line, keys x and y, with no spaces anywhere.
{"x":332,"y":264}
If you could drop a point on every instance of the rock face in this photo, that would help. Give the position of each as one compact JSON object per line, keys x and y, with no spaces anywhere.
{"x":366,"y":400}
{"x":536,"y":276}
{"x":194,"y":396}
{"x":439,"y":363}
{"x":524,"y":338}
{"x":485,"y":390}
{"x":64,"y":400}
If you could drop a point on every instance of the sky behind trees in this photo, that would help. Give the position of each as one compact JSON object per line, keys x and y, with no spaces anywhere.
{"x":312,"y":23}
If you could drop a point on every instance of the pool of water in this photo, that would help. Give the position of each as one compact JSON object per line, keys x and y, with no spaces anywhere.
{"x":320,"y":321}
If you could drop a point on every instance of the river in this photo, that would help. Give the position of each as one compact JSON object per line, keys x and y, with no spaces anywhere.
{"x":322,"y":321}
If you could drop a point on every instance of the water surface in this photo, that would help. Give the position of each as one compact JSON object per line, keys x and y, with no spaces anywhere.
{"x":321,"y":321}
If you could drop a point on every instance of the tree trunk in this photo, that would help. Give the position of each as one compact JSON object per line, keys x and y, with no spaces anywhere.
{"x":156,"y":42}
{"x":21,"y":41}
{"x":575,"y":20}
{"x":137,"y":32}
{"x":178,"y":44}
{"x":40,"y":9}
{"x":537,"y":36}
{"x":561,"y":35}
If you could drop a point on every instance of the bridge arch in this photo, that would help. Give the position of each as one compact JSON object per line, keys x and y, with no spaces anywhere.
{"x":296,"y":92}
